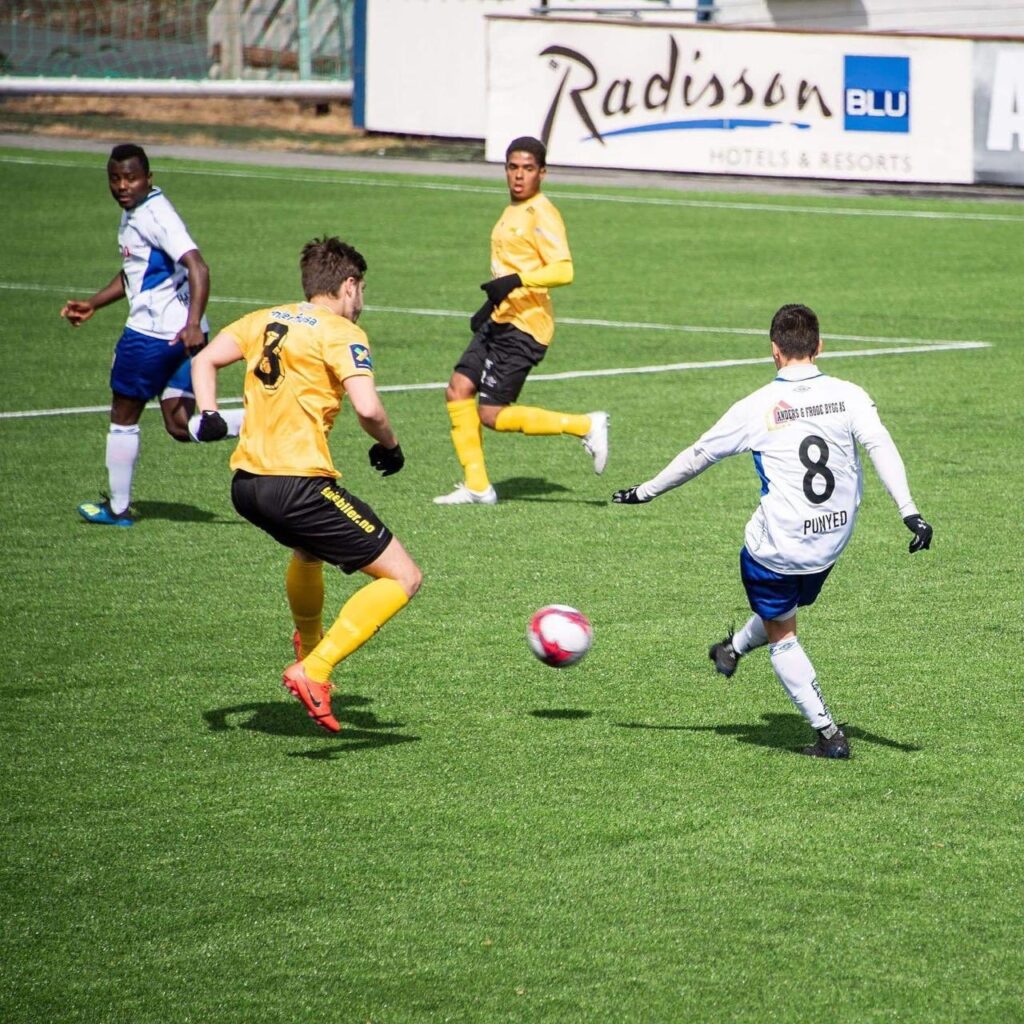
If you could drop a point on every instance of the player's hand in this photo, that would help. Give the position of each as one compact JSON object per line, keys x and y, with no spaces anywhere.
{"x":922,"y":532}
{"x":481,"y":316}
{"x":500,"y":288}
{"x":211,"y":426}
{"x":77,"y":312}
{"x":192,"y":336}
{"x":386,"y":461}
{"x":629,"y":497}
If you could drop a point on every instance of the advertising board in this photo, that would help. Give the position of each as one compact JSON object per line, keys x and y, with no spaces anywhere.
{"x":675,"y":98}
{"x":999,"y":113}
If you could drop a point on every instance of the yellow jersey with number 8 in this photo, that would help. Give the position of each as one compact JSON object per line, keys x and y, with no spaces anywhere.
{"x":297,"y":357}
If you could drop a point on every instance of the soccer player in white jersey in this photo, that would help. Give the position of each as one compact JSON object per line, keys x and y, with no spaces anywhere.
{"x":802,"y":429}
{"x":167,"y":283}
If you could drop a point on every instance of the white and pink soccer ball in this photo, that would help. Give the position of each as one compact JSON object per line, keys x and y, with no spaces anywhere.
{"x":559,"y":635}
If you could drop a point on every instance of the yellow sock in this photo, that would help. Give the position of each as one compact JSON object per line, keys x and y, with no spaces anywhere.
{"x":360,"y":617}
{"x":527,"y":419}
{"x":468,"y":444}
{"x":304,"y":584}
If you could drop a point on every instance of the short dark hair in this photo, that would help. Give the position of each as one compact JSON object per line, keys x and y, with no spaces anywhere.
{"x":129,"y":151}
{"x":528,"y":144}
{"x":328,"y":262}
{"x":795,"y":330}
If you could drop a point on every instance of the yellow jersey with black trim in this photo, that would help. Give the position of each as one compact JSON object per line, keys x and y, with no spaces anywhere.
{"x":297,"y":357}
{"x":529,"y":235}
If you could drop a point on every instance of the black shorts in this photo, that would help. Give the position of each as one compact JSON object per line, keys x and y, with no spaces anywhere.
{"x":498,"y":361}
{"x":314,"y":514}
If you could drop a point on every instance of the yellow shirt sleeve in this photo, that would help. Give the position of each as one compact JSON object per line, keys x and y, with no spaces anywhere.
{"x":553,"y":275}
{"x":347,"y":352}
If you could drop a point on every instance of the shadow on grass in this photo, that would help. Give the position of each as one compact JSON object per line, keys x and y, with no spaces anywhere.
{"x":179,"y":513}
{"x":285,"y":718}
{"x":779,"y":732}
{"x":536,"y":488}
{"x":565,"y":714}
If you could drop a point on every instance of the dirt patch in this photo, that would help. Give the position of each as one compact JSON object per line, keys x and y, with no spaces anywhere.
{"x":274,"y":124}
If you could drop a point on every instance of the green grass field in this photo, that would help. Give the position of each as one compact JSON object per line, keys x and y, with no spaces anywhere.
{"x":630,"y":840}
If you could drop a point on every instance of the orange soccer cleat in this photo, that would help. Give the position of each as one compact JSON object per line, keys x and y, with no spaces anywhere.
{"x":316,"y":697}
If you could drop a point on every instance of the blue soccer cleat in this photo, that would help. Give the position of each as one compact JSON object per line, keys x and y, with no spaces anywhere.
{"x":102,"y":515}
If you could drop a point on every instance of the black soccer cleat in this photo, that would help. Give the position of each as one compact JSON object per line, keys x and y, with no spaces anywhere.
{"x":836,"y":747}
{"x":724,"y":656}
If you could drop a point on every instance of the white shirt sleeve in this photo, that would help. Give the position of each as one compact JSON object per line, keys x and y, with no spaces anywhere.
{"x":729,"y":436}
{"x":685,"y":466}
{"x":168,"y":232}
{"x":885,"y":457}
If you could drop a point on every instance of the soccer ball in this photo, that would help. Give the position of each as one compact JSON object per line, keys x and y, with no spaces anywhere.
{"x":559,"y":635}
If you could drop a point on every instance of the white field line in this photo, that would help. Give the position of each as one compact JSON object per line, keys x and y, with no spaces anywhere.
{"x":621,"y":371}
{"x":458,"y":314}
{"x":328,"y":177}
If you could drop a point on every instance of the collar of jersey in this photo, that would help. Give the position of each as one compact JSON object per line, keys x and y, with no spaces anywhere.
{"x":798,"y":371}
{"x":152,"y":195}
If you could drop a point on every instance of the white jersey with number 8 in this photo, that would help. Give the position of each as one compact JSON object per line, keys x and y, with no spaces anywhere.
{"x":803,"y":429}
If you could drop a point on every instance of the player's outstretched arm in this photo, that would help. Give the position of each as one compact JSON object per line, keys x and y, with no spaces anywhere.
{"x":629,"y":496}
{"x":77,"y":311}
{"x":685,"y":466}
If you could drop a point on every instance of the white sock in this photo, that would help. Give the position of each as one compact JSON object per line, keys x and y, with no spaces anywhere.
{"x":122,"y":454}
{"x":750,"y":636}
{"x":796,"y":673}
{"x":232,"y":417}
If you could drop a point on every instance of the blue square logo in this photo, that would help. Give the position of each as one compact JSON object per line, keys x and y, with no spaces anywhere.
{"x":876,"y":94}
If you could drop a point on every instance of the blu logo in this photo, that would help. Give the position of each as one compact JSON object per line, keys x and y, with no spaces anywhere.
{"x":876,"y":94}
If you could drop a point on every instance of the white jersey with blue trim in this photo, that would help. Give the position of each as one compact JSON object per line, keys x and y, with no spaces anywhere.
{"x":803,"y":430}
{"x":153,"y":238}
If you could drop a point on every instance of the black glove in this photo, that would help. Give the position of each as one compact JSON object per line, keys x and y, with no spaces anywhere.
{"x":481,"y":316}
{"x":501,"y":287}
{"x":387,"y":460}
{"x":629,"y":497}
{"x":922,"y":532}
{"x":211,"y":426}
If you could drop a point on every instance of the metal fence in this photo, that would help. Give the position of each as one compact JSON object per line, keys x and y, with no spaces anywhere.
{"x":191,"y":41}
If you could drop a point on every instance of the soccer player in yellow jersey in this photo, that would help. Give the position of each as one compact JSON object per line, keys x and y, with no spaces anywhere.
{"x":301,"y":360}
{"x":512,"y":330}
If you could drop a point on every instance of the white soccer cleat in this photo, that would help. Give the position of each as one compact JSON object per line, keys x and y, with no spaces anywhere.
{"x":462,"y":495}
{"x":596,"y":440}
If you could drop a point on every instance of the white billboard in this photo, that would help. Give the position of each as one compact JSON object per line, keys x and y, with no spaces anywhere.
{"x":999,"y":112}
{"x":422,"y":66}
{"x":675,"y":98}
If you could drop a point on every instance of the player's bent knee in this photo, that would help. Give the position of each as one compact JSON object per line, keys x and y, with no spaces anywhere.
{"x":411,"y":580}
{"x":489,"y":415}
